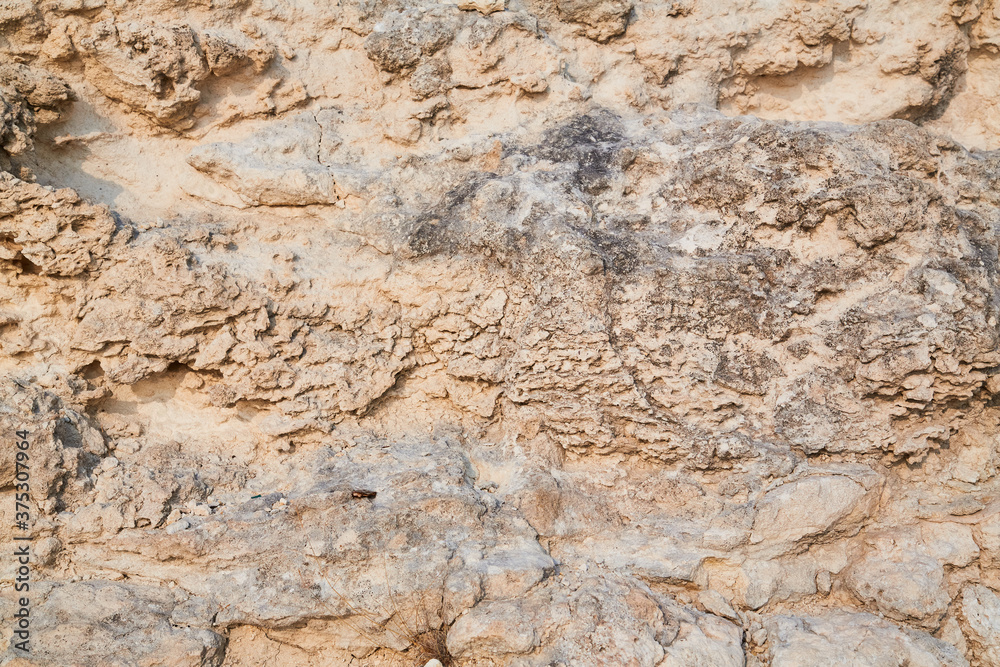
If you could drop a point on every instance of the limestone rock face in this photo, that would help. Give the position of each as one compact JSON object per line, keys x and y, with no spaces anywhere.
{"x":843,"y":638}
{"x":120,"y":625}
{"x":501,"y":333}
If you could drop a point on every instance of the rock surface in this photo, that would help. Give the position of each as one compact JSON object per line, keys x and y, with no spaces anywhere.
{"x":502,"y":333}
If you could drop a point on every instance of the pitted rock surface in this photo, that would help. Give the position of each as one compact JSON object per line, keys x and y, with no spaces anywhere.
{"x":502,"y":333}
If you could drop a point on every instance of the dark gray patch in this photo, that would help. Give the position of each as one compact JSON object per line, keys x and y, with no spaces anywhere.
{"x":622,"y":251}
{"x":443,"y":228}
{"x":592,"y":142}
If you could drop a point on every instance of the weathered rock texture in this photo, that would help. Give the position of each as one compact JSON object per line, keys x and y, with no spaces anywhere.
{"x":587,"y":332}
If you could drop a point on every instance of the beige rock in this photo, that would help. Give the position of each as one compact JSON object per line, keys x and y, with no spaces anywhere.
{"x":843,"y":638}
{"x":102,"y":622}
{"x":981,"y":611}
{"x":482,"y":6}
{"x":900,"y":579}
{"x":814,"y":505}
{"x":152,"y":69}
{"x":950,"y":543}
{"x":277,"y":167}
{"x":495,"y":628}
{"x":705,"y":640}
{"x":502,"y":333}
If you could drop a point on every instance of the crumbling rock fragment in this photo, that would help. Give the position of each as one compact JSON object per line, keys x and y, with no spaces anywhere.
{"x":156,"y":69}
{"x":53,"y":232}
{"x":400,"y":40}
{"x":28,"y":96}
{"x":152,"y":69}
{"x":601,"y":19}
